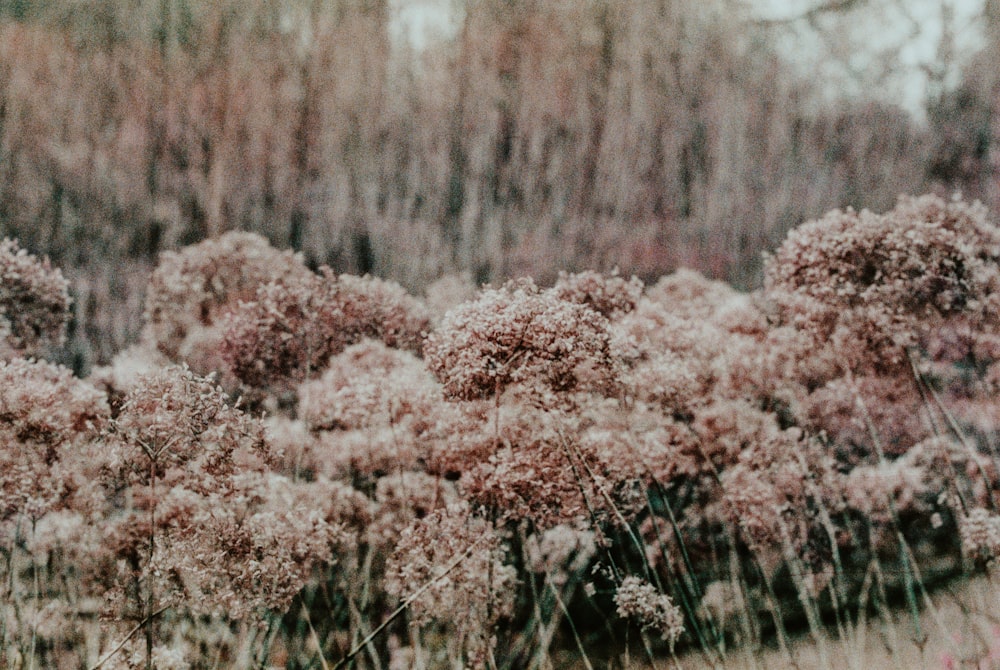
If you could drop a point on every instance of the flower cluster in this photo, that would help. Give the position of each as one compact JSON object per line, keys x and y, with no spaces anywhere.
{"x":980,"y":532}
{"x":191,"y":290}
{"x":286,"y":332}
{"x":368,"y":384}
{"x":291,"y":328}
{"x":459,"y":558}
{"x":179,"y":427}
{"x":608,"y":295}
{"x":524,"y":338}
{"x":34,"y":302}
{"x":560,"y":552}
{"x":46,"y":416}
{"x":256,"y":550}
{"x":640,"y":601}
{"x":872,"y":284}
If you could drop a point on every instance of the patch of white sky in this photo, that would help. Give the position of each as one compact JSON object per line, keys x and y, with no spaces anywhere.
{"x":897,"y":51}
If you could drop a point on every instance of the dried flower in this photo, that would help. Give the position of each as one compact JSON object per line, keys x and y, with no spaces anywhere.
{"x":46,"y":418}
{"x":872,"y":284}
{"x":291,"y":328}
{"x":478,"y":586}
{"x":191,"y":291}
{"x":980,"y":532}
{"x":609,"y":295}
{"x":560,"y":552}
{"x":519,"y":336}
{"x":368,"y":384}
{"x":640,"y":601}
{"x":34,"y":302}
{"x":178,"y":426}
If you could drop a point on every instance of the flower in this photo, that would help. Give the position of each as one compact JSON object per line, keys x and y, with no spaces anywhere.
{"x":524,"y":338}
{"x":640,"y":601}
{"x":34,"y":302}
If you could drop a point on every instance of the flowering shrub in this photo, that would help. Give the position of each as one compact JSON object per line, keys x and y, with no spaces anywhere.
{"x":640,"y":601}
{"x":191,"y":290}
{"x":521,"y":337}
{"x":178,"y":427}
{"x":34,"y":302}
{"x":459,"y":558}
{"x":608,"y":295}
{"x":285,"y":333}
{"x":46,"y":416}
{"x":874,"y":284}
{"x":368,"y":384}
{"x":291,"y":328}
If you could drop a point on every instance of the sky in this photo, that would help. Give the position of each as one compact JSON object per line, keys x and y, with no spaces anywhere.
{"x":891,"y":48}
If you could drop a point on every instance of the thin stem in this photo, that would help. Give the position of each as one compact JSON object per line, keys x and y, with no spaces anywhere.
{"x":128,"y":637}
{"x":569,"y":620}
{"x":312,"y":631}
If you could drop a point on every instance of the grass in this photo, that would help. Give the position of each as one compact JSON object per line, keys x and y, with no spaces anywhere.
{"x":960,"y":630}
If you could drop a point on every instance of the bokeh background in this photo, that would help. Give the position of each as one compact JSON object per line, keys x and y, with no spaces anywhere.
{"x":498,"y":138}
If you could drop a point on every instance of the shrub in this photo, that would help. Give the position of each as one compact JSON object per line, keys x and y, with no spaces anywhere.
{"x":609,"y":295}
{"x":521,"y":337}
{"x":192,"y":289}
{"x":875,"y":284}
{"x":291,"y":328}
{"x":46,"y":416}
{"x":34,"y":302}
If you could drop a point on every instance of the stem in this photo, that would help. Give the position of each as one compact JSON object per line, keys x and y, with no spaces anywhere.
{"x":569,"y":620}
{"x":128,"y":637}
{"x":149,"y":565}
{"x":312,"y":631}
{"x":38,"y":601}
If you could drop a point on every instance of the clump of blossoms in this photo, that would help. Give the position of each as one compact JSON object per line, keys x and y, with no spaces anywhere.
{"x":46,"y":416}
{"x":980,"y":533}
{"x":525,"y":462}
{"x":285,"y":333}
{"x":381,"y":310}
{"x":256,"y":548}
{"x":291,"y":328}
{"x":779,"y":493}
{"x":192,"y":289}
{"x":561,"y":553}
{"x":680,"y":355}
{"x":34,"y":302}
{"x":185,"y":484}
{"x":688,"y":294}
{"x":609,"y":295}
{"x":891,"y":403}
{"x":178,"y":426}
{"x":640,"y":601}
{"x":49,"y":425}
{"x":448,"y":292}
{"x":368,"y":384}
{"x":874,"y":284}
{"x":521,"y":337}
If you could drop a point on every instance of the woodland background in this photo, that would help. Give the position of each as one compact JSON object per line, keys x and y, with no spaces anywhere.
{"x":541,"y":136}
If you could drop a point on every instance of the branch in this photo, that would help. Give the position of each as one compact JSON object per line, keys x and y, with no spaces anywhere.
{"x":810,"y":15}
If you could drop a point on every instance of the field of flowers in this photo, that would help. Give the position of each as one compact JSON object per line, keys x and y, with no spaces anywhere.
{"x":301,"y":469}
